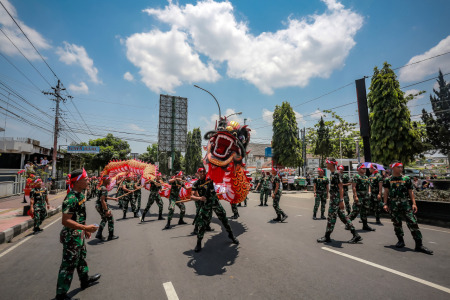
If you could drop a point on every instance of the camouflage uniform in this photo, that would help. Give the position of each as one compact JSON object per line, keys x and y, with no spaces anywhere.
{"x":376,"y":205}
{"x":39,"y":206}
{"x":137,"y":197}
{"x":74,"y":246}
{"x":98,"y":205}
{"x":400,"y":206}
{"x":321,"y":194}
{"x":264,"y":191}
{"x":120,"y":193}
{"x":334,"y":208}
{"x":154,"y":197}
{"x":206,"y":189}
{"x":128,"y":198}
{"x":362,"y":191}
{"x":174,"y":197}
{"x":277,"y":197}
{"x":346,"y":179}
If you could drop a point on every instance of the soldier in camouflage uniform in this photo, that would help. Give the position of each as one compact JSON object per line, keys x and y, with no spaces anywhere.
{"x":137,"y":195}
{"x":128,"y":187}
{"x":203,"y":190}
{"x":399,"y":190}
{"x":265,"y":191}
{"x":336,"y":206}
{"x":375,"y":189}
{"x":105,"y":213}
{"x":154,"y":196}
{"x":320,"y":193}
{"x":38,"y":205}
{"x":73,"y":237}
{"x":120,"y":192}
{"x":176,"y":184}
{"x":360,"y":184}
{"x":276,"y":196}
{"x":345,"y":184}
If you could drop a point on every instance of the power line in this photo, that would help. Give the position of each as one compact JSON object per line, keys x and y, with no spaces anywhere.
{"x":29,"y":41}
{"x":406,"y":86}
{"x":20,"y":51}
{"x":20,"y":72}
{"x":416,"y":62}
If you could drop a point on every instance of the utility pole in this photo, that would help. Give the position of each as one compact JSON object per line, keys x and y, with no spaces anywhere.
{"x":56,"y":93}
{"x":304,"y":150}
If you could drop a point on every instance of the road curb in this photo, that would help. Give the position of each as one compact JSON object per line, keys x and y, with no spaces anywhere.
{"x":7,"y":235}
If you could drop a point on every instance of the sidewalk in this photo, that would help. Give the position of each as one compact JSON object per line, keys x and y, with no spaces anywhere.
{"x":13,"y":223}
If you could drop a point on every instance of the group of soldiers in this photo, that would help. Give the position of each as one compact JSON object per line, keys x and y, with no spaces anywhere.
{"x":398,"y":200}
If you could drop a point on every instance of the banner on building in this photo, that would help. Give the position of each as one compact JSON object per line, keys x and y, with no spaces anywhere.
{"x":83,"y":149}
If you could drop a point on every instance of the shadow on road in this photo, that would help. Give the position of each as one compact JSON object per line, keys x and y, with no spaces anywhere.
{"x":217,"y":252}
{"x":404,"y":249}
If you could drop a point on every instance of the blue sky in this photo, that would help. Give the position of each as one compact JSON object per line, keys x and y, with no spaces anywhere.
{"x":116,"y":57}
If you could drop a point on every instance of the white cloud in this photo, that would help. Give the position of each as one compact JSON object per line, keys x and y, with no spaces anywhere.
{"x":82,"y":88}
{"x":311,"y":47}
{"x":14,"y":33}
{"x":317,"y":114}
{"x":267,"y":116}
{"x":165,"y":60}
{"x":135,"y":127}
{"x":210,"y":123}
{"x":421,"y":70}
{"x":299,"y":118}
{"x":74,"y":54}
{"x":128,"y":76}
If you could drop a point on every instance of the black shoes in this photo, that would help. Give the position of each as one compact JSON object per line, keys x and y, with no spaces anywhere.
{"x":112,"y":237}
{"x":323,"y":217}
{"x":91,"y":279}
{"x":99,"y":235}
{"x":136,"y":215}
{"x":65,"y":297}
{"x":314,"y":217}
{"x":265,"y":204}
{"x":167,"y":225}
{"x":277,"y":219}
{"x":235,"y":216}
{"x":160,"y":217}
{"x":284,"y":218}
{"x":421,"y":248}
{"x":325,"y":239}
{"x":400,"y":243}
{"x":378,"y":221}
{"x":367,"y":227}
{"x":124,"y":215}
{"x":181,"y":222}
{"x":260,"y":204}
{"x":356,"y":238}
{"x":198,"y":247}
{"x":234,"y":240}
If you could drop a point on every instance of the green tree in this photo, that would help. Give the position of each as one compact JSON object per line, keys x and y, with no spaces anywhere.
{"x":151,"y":156}
{"x":285,"y":143}
{"x":438,"y":126}
{"x":110,"y":148}
{"x":393,"y":136}
{"x":323,"y":142}
{"x":193,"y":156}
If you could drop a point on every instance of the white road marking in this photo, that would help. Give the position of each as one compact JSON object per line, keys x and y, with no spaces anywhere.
{"x":24,"y":240}
{"x":170,"y":291}
{"x":425,"y":282}
{"x":299,"y":215}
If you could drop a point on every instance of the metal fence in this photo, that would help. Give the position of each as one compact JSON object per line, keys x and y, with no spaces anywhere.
{"x":16,"y":187}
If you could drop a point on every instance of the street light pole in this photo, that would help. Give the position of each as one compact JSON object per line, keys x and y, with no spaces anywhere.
{"x":220,"y":113}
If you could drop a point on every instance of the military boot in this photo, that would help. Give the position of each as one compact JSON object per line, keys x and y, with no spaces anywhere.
{"x":99,"y":234}
{"x":284,"y":217}
{"x":421,"y":248}
{"x":265,"y":204}
{"x":111,"y":237}
{"x":367,"y":227}
{"x":378,"y":220}
{"x":277,"y":219}
{"x":181,"y":221}
{"x":65,"y":297}
{"x":198,"y":247}
{"x":89,"y":280}
{"x":234,"y":240}
{"x":325,"y":239}
{"x":235,"y":216}
{"x":167,"y":225}
{"x":322,"y":216}
{"x":124,"y":215}
{"x":356,"y":237}
{"x":143,"y":216}
{"x":400,"y":243}
{"x":160,"y":217}
{"x":314,"y":217}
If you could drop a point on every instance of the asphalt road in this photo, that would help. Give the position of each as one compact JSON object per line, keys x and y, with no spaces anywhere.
{"x":273,"y":260}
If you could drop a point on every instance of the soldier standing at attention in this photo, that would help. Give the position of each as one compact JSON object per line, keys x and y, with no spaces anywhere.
{"x":276,"y":196}
{"x":176,"y":184}
{"x":38,"y":204}
{"x":321,"y":188}
{"x":399,"y":189}
{"x":154,"y":196}
{"x":128,"y":187}
{"x":73,"y":237}
{"x":361,"y":205}
{"x":105,"y":213}
{"x":336,"y":206}
{"x":264,"y":191}
{"x":203,"y":190}
{"x":375,"y":188}
{"x":345,"y":183}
